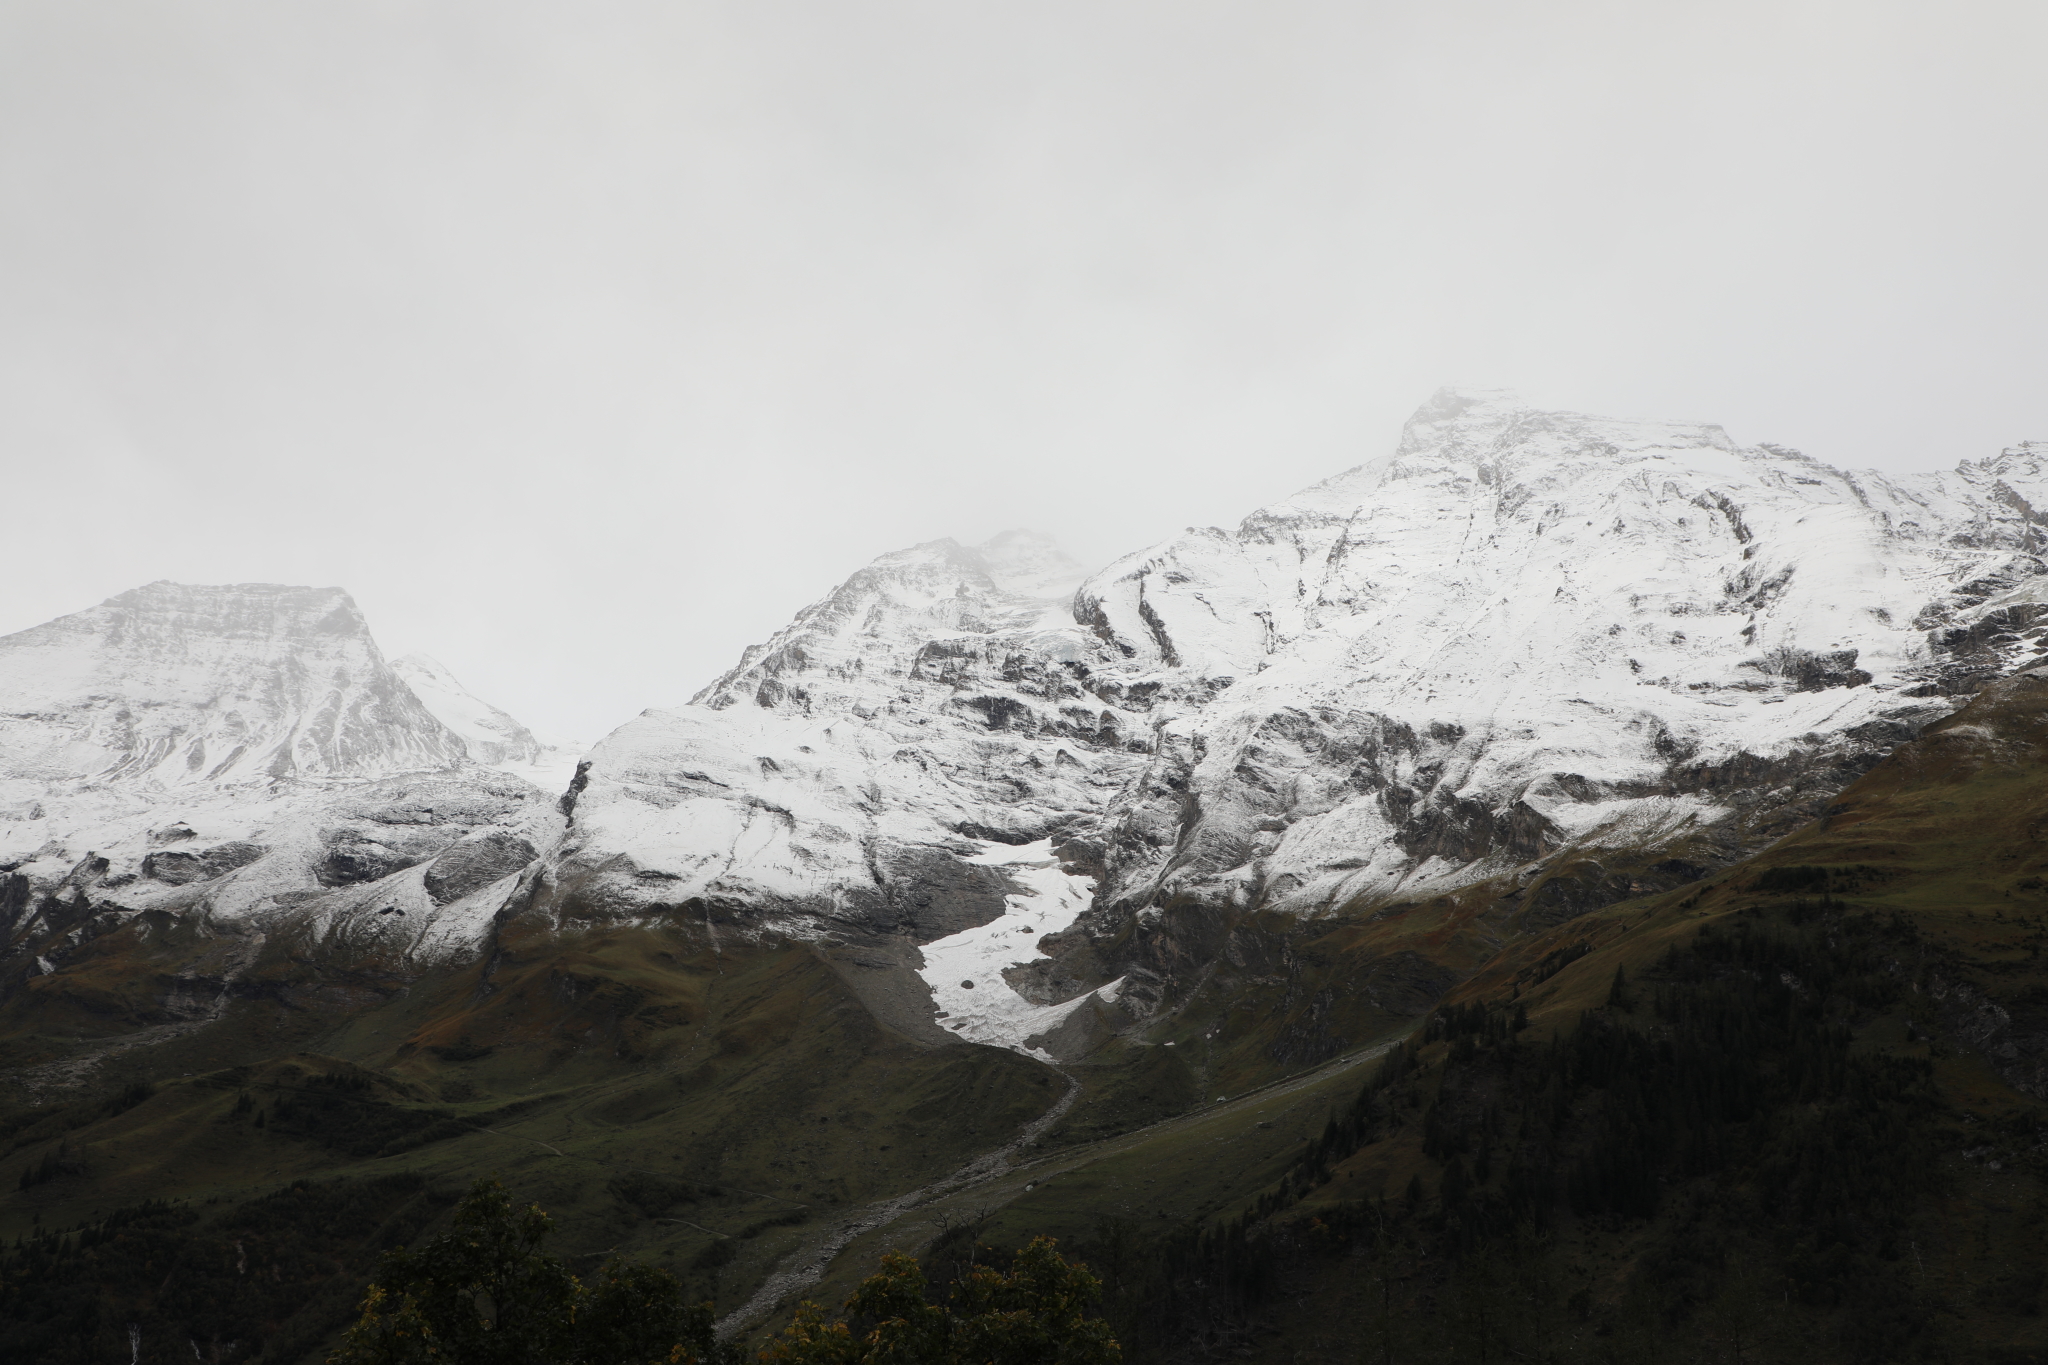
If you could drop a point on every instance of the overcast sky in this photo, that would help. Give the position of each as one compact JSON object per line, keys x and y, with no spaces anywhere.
{"x":585,"y":342}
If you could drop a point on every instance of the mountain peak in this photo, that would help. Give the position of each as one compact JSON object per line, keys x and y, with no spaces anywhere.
{"x":870,"y":629}
{"x":2028,"y":458}
{"x":1479,"y":425}
{"x":233,"y":682}
{"x":1029,"y":564}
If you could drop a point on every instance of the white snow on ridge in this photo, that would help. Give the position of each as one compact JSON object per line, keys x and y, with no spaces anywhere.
{"x":491,"y":736}
{"x":965,"y":970}
{"x":1523,"y":630}
{"x":244,"y":752}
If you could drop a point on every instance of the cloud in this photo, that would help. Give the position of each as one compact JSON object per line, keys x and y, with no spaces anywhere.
{"x":585,"y":347}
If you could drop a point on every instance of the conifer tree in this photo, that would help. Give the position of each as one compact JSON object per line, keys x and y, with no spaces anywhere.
{"x":1618,"y":997}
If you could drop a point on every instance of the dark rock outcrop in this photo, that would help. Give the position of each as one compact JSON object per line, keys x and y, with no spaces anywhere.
{"x":181,"y":866}
{"x":473,"y":864}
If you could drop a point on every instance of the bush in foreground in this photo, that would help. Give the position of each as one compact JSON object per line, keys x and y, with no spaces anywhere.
{"x":484,"y":1293}
{"x":1034,"y":1315}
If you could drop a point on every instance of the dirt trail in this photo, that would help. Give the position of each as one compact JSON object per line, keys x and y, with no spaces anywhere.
{"x":813,"y":1256}
{"x":812,"y":1259}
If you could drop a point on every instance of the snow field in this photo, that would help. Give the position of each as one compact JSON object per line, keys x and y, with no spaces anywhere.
{"x":988,"y":1011}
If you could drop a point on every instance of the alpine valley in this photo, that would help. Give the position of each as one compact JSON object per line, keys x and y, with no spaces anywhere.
{"x":1570,"y":889}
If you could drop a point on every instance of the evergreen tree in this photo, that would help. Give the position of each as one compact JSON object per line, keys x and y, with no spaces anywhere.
{"x":1618,"y":997}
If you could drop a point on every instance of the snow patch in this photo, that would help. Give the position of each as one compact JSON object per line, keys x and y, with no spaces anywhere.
{"x":987,"y":1010}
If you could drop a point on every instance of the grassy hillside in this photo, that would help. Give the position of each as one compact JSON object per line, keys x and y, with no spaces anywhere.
{"x":697,"y":1108}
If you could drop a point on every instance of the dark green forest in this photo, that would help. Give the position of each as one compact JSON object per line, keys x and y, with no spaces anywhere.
{"x":275,"y":1278}
{"x":1717,"y":1164}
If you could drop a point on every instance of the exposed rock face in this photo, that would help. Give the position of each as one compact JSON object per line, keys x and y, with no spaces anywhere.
{"x":2018,"y":1053}
{"x":1520,"y":634}
{"x":180,"y":866}
{"x":474,"y":864}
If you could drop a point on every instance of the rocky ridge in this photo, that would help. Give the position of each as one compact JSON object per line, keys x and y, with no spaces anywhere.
{"x":1522,"y":636}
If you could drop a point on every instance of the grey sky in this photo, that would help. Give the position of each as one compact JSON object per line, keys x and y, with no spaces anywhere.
{"x":586,"y":342}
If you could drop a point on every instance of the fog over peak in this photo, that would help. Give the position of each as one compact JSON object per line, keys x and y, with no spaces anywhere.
{"x":587,"y":349}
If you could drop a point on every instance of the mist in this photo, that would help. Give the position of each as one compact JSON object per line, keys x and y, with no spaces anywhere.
{"x":585,"y":344}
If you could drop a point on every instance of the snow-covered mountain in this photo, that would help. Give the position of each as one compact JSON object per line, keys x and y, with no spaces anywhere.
{"x":1530,"y":630}
{"x":489,"y":735}
{"x":245,"y":752}
{"x":1523,"y":638}
{"x":178,"y":684}
{"x":1522,"y":634}
{"x":838,"y":766}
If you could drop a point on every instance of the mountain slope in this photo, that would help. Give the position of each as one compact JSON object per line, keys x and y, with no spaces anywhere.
{"x":1526,"y":646}
{"x":1793,"y":1112}
{"x":489,"y":736}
